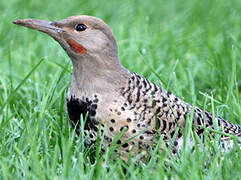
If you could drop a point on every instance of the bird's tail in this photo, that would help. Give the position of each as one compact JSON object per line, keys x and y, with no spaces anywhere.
{"x":229,"y":128}
{"x":206,"y":119}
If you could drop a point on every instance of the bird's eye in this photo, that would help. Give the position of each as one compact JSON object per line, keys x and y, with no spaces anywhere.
{"x":80,"y":27}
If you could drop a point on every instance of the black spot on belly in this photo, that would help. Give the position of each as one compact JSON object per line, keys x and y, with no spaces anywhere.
{"x":76,"y":107}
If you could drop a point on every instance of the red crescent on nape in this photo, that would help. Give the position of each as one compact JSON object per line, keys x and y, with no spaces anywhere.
{"x":76,"y":47}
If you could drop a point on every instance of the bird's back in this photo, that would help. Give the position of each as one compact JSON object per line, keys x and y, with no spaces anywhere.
{"x":160,"y":110}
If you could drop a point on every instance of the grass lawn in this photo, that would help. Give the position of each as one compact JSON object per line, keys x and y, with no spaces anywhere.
{"x":192,"y":46}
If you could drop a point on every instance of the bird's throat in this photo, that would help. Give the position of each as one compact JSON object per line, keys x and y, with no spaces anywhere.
{"x":76,"y":47}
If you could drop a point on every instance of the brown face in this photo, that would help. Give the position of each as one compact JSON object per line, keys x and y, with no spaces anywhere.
{"x":76,"y":34}
{"x":56,"y":31}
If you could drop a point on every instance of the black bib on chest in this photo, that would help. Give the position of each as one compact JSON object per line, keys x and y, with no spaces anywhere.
{"x":76,"y":107}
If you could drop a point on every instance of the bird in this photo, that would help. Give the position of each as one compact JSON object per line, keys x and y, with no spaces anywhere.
{"x":116,"y":101}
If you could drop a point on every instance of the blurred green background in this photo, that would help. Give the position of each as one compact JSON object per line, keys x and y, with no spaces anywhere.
{"x":192,"y":46}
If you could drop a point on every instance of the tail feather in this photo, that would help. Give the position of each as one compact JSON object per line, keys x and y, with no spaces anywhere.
{"x":205,"y":118}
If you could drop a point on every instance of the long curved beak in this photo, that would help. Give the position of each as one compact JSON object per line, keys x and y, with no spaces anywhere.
{"x":48,"y":27}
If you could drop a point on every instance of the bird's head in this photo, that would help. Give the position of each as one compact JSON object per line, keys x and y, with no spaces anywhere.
{"x":80,"y":36}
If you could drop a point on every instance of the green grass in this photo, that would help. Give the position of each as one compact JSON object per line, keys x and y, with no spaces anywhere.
{"x":192,"y":46}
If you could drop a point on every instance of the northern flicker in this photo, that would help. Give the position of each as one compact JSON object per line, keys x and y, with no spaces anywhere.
{"x":113,"y":97}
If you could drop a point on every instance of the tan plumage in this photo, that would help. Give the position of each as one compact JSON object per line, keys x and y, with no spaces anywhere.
{"x":114,"y":97}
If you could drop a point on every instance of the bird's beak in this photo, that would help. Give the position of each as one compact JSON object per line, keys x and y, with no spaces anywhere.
{"x":48,"y":27}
